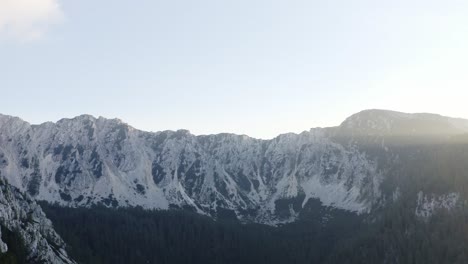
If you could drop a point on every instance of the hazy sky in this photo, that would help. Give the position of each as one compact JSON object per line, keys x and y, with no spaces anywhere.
{"x":254,"y":67}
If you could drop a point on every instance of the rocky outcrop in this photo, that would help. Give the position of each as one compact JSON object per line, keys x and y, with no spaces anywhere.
{"x":20,"y":214}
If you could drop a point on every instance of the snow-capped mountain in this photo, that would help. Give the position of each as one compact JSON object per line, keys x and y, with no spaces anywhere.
{"x":86,"y":160}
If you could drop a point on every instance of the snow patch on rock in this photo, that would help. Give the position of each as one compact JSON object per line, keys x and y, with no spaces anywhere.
{"x":427,"y":205}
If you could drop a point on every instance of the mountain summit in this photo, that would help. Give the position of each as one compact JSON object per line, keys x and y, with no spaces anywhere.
{"x":384,"y":122}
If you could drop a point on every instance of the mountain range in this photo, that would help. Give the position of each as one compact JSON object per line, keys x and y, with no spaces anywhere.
{"x":382,"y":187}
{"x":86,"y":161}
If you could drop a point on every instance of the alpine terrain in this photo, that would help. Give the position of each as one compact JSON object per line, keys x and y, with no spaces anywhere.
{"x":378,"y":167}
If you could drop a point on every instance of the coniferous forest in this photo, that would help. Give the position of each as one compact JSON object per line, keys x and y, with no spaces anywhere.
{"x":133,"y":235}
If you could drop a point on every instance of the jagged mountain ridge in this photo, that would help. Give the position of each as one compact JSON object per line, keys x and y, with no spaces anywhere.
{"x":86,"y":160}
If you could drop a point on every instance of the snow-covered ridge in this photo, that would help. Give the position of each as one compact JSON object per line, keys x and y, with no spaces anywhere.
{"x":87,"y":160}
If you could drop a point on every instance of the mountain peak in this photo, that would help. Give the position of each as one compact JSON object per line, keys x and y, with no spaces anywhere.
{"x":387,"y":122}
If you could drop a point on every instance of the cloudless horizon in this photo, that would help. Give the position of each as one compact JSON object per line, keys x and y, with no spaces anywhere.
{"x":260,"y":68}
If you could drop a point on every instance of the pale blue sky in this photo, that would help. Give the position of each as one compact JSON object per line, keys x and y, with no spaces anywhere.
{"x":259,"y":68}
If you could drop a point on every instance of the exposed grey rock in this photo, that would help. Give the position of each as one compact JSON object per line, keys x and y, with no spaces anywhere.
{"x":20,"y":214}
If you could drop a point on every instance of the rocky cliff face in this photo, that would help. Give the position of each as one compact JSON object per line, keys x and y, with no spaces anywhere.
{"x":20,"y":214}
{"x":85,"y":161}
